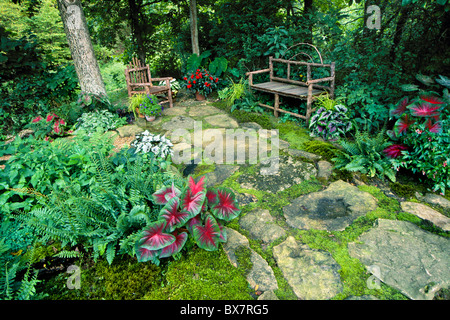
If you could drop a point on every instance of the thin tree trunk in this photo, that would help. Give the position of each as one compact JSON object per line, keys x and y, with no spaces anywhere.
{"x":80,"y":45}
{"x":194,"y":28}
{"x":136,"y":29}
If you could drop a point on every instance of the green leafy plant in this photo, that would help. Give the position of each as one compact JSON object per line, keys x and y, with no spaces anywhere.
{"x":201,"y":81}
{"x":145,"y":142}
{"x":150,"y":107}
{"x":330,"y":124}
{"x":135,"y":102}
{"x":47,"y":128}
{"x":421,"y":138}
{"x":98,"y":121}
{"x":366,"y":155}
{"x":196,"y":210}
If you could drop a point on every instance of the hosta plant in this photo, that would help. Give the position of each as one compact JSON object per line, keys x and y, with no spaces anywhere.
{"x":330,"y":124}
{"x":98,"y":121}
{"x":195,"y":211}
{"x":146,"y":142}
{"x":421,"y":138}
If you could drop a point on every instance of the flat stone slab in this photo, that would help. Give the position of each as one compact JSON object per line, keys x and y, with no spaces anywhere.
{"x":220,"y":174}
{"x":222,"y":121}
{"x":408,"y":258}
{"x":261,"y":225}
{"x":179,"y":122}
{"x":312,"y":274}
{"x":303,"y":154}
{"x":437,"y":200}
{"x":175,"y":111}
{"x":290,"y":172}
{"x":427,"y":213}
{"x":331,"y":209}
{"x":203,"y":110}
{"x":325,"y":170}
{"x":261,"y":274}
{"x":129,"y":130}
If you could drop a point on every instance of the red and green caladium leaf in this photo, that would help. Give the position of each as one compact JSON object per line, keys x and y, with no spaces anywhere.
{"x":174,"y":248}
{"x":144,"y":254}
{"x":395,"y":150}
{"x":207,"y":236}
{"x":434,"y":127}
{"x":403,"y":124}
{"x":173,"y":217}
{"x":192,"y":203}
{"x":163,"y":195}
{"x":193,"y":222}
{"x":223,"y":233}
{"x":200,"y":186}
{"x":153,"y":236}
{"x":400,"y":107}
{"x":424,"y":109}
{"x":432,"y":99}
{"x":226,"y":207}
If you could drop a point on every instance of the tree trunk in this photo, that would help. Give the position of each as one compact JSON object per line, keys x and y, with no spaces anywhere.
{"x":80,"y":45}
{"x":194,"y":29}
{"x":136,"y":29}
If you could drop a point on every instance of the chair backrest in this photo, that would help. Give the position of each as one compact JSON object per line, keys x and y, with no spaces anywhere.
{"x":138,"y":73}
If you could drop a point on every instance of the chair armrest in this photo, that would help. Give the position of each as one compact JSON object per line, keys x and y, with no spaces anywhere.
{"x":258,"y":71}
{"x":161,"y":79}
{"x":320,"y":80}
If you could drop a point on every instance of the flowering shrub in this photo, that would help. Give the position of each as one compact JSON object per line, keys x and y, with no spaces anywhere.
{"x":48,"y":127}
{"x":145,"y":142}
{"x":330,"y":124}
{"x":422,"y":139}
{"x":200,"y":81}
{"x":150,"y":106}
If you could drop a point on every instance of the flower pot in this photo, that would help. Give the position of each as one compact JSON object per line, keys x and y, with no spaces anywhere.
{"x":140,"y":115}
{"x":199,"y":96}
{"x":150,"y":118}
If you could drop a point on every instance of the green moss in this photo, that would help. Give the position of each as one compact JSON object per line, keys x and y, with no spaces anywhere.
{"x":384,"y":202}
{"x":261,"y":119}
{"x":202,"y":275}
{"x":324,"y":149}
{"x":403,"y":190}
{"x":125,"y":279}
{"x":244,"y":262}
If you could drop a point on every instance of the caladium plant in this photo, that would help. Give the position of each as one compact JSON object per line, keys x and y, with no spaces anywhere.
{"x":196,"y":210}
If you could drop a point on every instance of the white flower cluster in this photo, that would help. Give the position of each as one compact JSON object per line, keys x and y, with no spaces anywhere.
{"x":160,"y":146}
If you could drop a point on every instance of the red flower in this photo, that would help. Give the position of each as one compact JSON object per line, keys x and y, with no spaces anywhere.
{"x":37,"y":119}
{"x":185,"y":78}
{"x":189,"y":86}
{"x":394,"y":151}
{"x":211,"y":78}
{"x":217,"y":79}
{"x":192,"y":76}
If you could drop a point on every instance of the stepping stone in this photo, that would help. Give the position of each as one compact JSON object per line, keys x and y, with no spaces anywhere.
{"x":436,"y":200}
{"x":175,"y":111}
{"x":203,"y":110}
{"x":312,"y":274}
{"x":251,"y":125}
{"x":290,"y":172}
{"x":245,"y":198}
{"x":268,"y":295}
{"x":178,"y":122}
{"x":222,"y":121}
{"x":408,"y":258}
{"x":325,"y":170}
{"x":425,"y":212}
{"x":261,"y":274}
{"x":303,"y":154}
{"x":220,"y":174}
{"x":331,"y":209}
{"x":262,"y":225}
{"x":129,"y":130}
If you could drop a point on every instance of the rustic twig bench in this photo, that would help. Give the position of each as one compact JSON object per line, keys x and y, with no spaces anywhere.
{"x":140,"y":81}
{"x":285,"y":86}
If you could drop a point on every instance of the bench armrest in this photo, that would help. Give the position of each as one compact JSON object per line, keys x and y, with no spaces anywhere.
{"x":256,"y":72}
{"x":319,"y":80}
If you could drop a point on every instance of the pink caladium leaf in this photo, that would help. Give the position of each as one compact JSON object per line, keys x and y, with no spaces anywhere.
{"x":424,"y":109}
{"x":153,"y":236}
{"x":192,"y":203}
{"x":174,"y":248}
{"x":223,"y":232}
{"x":173,"y":217}
{"x":200,"y":186}
{"x":211,"y":196}
{"x":434,"y":127}
{"x":400,"y":107}
{"x":432,"y":99}
{"x":193,"y":222}
{"x":143,"y":254}
{"x":403,"y":124}
{"x":394,"y":151}
{"x":163,"y":195}
{"x":226,"y":207}
{"x":207,"y":236}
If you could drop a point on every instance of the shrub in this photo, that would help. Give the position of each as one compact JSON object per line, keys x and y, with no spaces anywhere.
{"x":201,"y":81}
{"x":98,"y":121}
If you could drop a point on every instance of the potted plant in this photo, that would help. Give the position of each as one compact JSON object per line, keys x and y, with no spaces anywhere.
{"x":135,"y":102}
{"x":201,"y":83}
{"x":150,"y":107}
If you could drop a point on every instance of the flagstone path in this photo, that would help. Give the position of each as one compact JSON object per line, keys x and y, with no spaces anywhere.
{"x":397,"y":253}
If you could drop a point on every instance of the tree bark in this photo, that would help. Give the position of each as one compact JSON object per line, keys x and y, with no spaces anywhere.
{"x":194,"y":28}
{"x":80,"y":45}
{"x":136,"y":28}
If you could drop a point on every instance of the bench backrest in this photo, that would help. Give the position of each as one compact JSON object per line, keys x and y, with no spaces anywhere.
{"x":309,"y":66}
